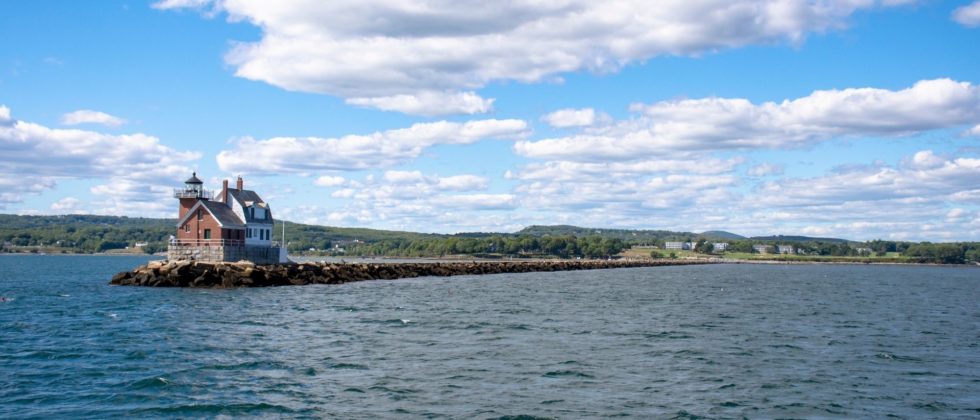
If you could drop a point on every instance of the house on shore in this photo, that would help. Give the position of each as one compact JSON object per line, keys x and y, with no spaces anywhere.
{"x":761,"y":248}
{"x":232,"y":226}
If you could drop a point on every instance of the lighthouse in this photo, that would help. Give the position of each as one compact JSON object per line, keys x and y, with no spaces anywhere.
{"x":235,"y":225}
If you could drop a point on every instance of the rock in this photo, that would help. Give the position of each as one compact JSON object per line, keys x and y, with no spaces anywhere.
{"x":119,"y":277}
{"x":247,"y":274}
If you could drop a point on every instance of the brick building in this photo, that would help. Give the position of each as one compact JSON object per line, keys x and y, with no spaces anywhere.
{"x":234,"y":225}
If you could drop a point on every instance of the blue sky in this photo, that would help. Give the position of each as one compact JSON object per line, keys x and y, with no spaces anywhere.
{"x":857,"y":119}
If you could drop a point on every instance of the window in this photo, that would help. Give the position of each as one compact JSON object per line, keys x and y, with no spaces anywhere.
{"x":200,"y":214}
{"x":248,"y":233}
{"x":187,"y":227}
{"x":207,"y":233}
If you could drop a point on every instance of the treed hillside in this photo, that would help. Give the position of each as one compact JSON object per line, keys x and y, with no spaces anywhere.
{"x":635,"y":236}
{"x":785,"y":238}
{"x":83,"y":233}
{"x":301,"y":236}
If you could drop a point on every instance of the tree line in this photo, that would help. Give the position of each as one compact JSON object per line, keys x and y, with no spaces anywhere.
{"x":558,"y":246}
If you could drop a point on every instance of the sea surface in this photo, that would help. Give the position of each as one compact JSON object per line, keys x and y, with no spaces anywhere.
{"x":760,"y":341}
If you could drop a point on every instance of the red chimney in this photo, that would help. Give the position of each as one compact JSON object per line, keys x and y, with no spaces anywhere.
{"x":241,"y":183}
{"x":224,"y":191}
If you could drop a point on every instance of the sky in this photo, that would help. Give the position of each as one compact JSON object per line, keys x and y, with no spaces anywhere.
{"x":854,"y":118}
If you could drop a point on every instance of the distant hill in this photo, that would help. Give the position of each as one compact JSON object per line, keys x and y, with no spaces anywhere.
{"x":84,"y":233}
{"x":791,"y":238}
{"x":720,"y":234}
{"x":302,"y":236}
{"x":622,"y":234}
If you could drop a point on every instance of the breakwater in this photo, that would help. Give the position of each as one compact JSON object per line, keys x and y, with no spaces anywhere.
{"x":245,"y":274}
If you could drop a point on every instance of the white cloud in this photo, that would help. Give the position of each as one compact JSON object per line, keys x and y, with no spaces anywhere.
{"x":379,"y":149}
{"x":34,"y":158}
{"x":462,"y":183}
{"x":87,"y":116}
{"x":480,"y":201}
{"x":578,"y":171}
{"x":180,"y":4}
{"x":404,"y":177}
{"x":4,"y":114}
{"x":423,"y":183}
{"x":698,"y":125}
{"x":925,"y":176}
{"x":975,"y":131}
{"x":330,"y":181}
{"x":67,"y":205}
{"x":428,"y":103}
{"x":412,"y":200}
{"x":968,"y":15}
{"x":395,"y":54}
{"x":956,"y":214}
{"x":570,"y":117}
{"x":765,"y":169}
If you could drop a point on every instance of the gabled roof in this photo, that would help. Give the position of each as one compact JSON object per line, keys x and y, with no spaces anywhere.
{"x":247,"y":198}
{"x":245,"y":195}
{"x":221,"y":213}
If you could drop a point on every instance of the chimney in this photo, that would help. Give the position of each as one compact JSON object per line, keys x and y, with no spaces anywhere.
{"x":224,"y":191}
{"x":240,"y":184}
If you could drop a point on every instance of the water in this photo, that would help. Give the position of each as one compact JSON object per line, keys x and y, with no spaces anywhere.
{"x":714,"y":341}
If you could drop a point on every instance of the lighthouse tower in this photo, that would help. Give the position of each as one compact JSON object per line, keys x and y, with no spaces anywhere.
{"x":192,"y":193}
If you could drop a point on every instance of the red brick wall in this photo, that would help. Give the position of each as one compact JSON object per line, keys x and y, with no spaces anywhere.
{"x":197,"y":227}
{"x":185,"y":204}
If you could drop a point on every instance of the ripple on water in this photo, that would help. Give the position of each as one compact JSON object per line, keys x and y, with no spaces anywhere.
{"x":647,"y":343}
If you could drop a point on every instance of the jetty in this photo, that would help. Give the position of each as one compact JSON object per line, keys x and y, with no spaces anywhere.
{"x":185,"y":273}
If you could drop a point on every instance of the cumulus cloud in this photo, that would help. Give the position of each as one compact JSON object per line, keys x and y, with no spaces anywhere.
{"x":975,"y":131}
{"x":379,"y":149}
{"x":87,"y":116}
{"x":34,"y":158}
{"x":924,"y":176}
{"x":413,"y":200}
{"x":67,"y":205}
{"x":570,"y":117}
{"x":330,"y":181}
{"x":764,"y":169}
{"x":578,"y":171}
{"x":968,"y":15}
{"x":4,"y":114}
{"x":395,"y":55}
{"x":428,"y":103}
{"x":180,"y":4}
{"x":697,"y":125}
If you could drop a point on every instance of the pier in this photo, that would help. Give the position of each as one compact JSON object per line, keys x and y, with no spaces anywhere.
{"x":246,"y":274}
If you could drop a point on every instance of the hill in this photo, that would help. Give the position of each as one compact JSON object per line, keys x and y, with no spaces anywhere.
{"x":720,"y":234}
{"x":639,"y":236}
{"x":792,"y":238}
{"x":84,"y":233}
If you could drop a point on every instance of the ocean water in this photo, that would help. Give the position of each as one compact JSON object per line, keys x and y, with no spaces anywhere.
{"x":759,"y":341}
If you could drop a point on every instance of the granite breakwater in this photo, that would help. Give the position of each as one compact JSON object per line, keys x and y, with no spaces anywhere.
{"x":246,"y":274}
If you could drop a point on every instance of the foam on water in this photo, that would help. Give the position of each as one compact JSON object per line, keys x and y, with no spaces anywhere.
{"x":681,"y":342}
